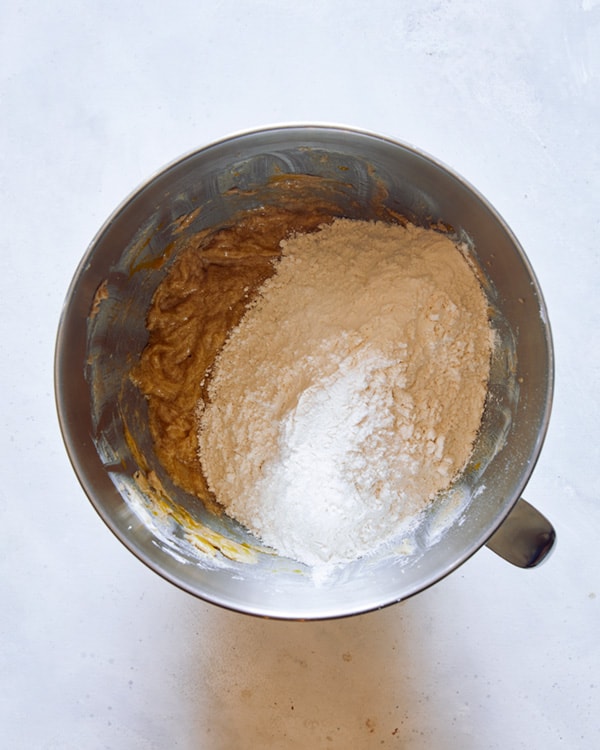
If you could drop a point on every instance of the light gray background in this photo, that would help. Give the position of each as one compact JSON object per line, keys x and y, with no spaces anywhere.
{"x":98,"y":652}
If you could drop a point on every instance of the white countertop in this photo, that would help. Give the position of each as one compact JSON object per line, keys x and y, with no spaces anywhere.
{"x":96,"y":651}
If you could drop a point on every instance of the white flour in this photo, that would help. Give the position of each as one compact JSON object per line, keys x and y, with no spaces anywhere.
{"x":351,"y":392}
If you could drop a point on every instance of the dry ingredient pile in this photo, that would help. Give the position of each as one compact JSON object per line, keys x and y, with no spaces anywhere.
{"x":350,"y":393}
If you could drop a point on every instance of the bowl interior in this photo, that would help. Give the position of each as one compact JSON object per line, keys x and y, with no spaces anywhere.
{"x":102,"y":332}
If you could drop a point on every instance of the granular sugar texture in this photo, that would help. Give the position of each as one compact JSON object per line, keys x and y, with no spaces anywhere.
{"x":351,"y":392}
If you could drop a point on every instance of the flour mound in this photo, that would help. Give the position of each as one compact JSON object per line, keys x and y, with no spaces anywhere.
{"x":351,"y":392}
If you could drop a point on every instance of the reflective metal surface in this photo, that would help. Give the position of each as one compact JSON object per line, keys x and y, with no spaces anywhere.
{"x":102,"y":332}
{"x":526,"y":537}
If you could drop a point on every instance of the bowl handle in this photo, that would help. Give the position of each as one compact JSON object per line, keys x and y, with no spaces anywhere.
{"x":525,"y":537}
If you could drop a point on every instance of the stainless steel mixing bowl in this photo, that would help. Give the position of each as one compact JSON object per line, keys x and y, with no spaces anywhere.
{"x":103,"y":416}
